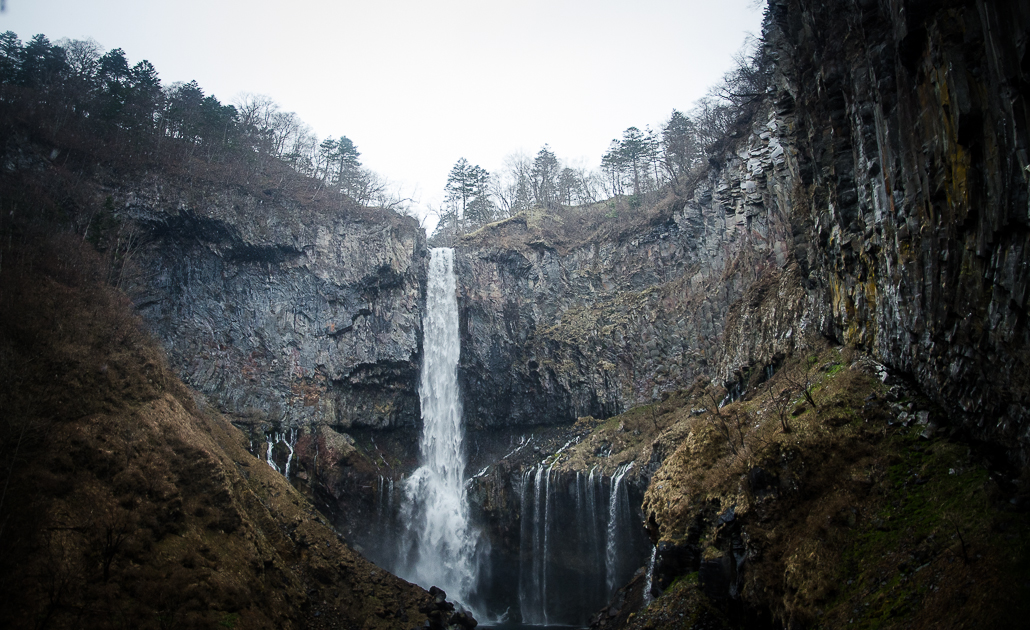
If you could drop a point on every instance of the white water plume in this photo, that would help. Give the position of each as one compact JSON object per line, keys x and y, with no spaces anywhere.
{"x":439,"y":546}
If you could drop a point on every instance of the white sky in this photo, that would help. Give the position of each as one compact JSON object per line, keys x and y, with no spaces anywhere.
{"x":419,"y":84}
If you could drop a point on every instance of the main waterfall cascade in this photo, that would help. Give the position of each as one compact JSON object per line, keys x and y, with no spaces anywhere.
{"x":438,"y":547}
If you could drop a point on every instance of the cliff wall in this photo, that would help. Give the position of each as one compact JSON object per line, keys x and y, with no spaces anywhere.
{"x":567,"y":315}
{"x":878,"y":198}
{"x":282,"y":313}
{"x":912,"y":138}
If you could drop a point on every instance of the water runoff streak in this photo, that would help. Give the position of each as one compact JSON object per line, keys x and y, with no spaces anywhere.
{"x":438,"y":547}
{"x":579,"y":541}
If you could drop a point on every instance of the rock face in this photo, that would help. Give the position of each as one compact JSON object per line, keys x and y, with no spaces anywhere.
{"x":879,"y":198}
{"x":553,"y":331}
{"x":913,"y":120}
{"x":282,"y":313}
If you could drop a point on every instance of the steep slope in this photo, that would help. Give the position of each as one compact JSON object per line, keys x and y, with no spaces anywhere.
{"x":126,"y":502}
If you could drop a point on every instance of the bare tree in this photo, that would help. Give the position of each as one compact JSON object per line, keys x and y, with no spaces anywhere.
{"x":83,"y":56}
{"x":511,"y":186}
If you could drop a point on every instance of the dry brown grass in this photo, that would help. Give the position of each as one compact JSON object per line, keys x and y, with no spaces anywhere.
{"x":849,"y":521}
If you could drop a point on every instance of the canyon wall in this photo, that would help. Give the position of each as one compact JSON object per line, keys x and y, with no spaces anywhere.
{"x":879,"y":198}
{"x":283,"y":314}
{"x":556,"y":327}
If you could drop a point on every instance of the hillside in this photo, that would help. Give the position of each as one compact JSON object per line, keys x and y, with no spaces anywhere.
{"x":867,"y":510}
{"x":128,"y":501}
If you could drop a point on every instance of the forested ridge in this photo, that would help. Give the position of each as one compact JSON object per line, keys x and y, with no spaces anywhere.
{"x":637,"y":170}
{"x":95,"y":110}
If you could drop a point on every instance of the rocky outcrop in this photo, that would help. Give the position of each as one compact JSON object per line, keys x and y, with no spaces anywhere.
{"x":283,"y":313}
{"x":553,"y":331}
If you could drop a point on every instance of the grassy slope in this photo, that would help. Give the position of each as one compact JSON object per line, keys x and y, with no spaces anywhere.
{"x":851,"y":519}
{"x":125,"y":503}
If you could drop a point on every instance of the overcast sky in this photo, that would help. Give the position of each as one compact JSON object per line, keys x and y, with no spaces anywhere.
{"x":418,"y":84}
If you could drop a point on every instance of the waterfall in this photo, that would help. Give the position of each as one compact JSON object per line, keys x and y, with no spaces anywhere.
{"x":527,"y":531}
{"x":290,"y":442}
{"x":612,"y":539}
{"x":268,"y":456}
{"x":594,"y":491}
{"x":532,"y":598}
{"x":577,"y":543}
{"x":648,"y":597}
{"x":439,"y":545}
{"x":548,"y":512}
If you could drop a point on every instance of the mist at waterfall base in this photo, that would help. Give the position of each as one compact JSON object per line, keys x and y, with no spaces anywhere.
{"x":567,"y":542}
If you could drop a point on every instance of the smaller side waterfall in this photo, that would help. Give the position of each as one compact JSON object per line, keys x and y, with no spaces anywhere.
{"x":618,"y":510}
{"x":579,"y":542}
{"x":649,"y":583}
{"x":289,"y":439}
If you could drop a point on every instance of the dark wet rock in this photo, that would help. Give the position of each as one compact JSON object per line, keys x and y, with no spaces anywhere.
{"x":441,"y":614}
{"x":283,"y":315}
{"x":915,"y":214}
{"x":673,"y":560}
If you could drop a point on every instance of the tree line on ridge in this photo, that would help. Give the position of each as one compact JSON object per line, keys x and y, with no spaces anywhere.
{"x":637,"y":169}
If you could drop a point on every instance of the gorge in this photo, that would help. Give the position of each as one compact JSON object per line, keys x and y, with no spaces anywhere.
{"x":789,"y":392}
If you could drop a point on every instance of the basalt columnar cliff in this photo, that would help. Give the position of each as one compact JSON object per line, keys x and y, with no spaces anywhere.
{"x":283,"y":313}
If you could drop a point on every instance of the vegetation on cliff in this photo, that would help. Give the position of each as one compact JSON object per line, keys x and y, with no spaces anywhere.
{"x":869,"y":509}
